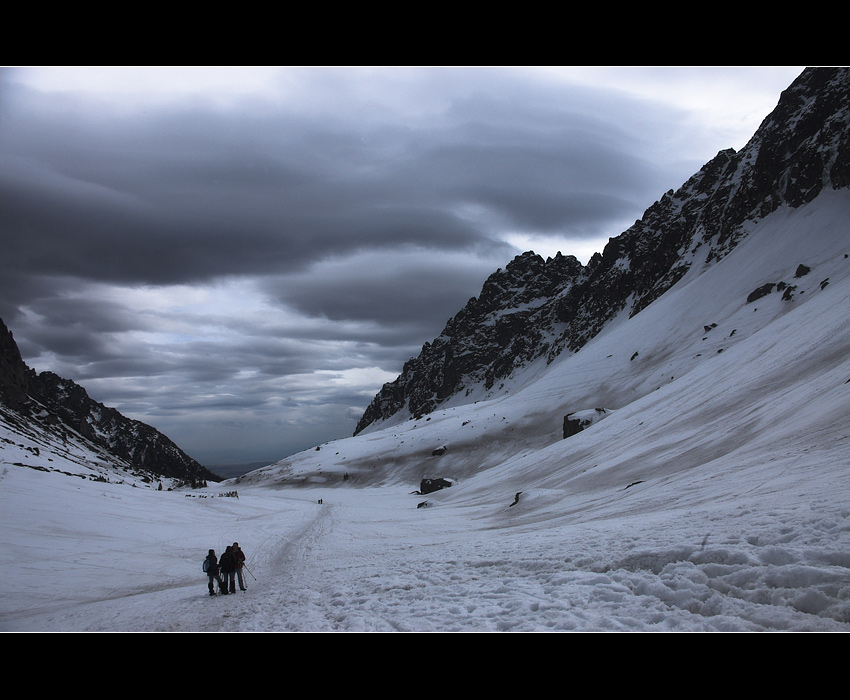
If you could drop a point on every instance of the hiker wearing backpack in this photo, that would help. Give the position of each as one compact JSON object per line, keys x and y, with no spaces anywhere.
{"x":240,"y":562}
{"x":212,"y":569}
{"x":228,"y":570}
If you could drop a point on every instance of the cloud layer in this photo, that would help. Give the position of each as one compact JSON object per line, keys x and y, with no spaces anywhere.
{"x":242,"y":257}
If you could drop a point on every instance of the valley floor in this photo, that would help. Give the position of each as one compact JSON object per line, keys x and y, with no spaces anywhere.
{"x":369,"y":560}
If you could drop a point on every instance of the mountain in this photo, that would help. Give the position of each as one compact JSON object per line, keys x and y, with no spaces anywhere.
{"x":47,"y":410}
{"x":535,"y":309}
{"x":752,"y":241}
{"x":684,"y":469}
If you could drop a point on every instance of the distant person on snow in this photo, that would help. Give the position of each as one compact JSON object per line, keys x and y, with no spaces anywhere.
{"x":228,"y":566}
{"x":240,"y":562}
{"x":212,"y":569}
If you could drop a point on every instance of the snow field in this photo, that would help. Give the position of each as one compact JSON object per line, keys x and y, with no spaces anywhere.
{"x":368,"y":560}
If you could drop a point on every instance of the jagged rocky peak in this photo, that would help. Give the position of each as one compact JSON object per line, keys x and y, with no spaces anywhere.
{"x":60,"y":405}
{"x":15,"y":376}
{"x":799,"y":149}
{"x":536,"y":308}
{"x":526,"y":279}
{"x":497,"y":331}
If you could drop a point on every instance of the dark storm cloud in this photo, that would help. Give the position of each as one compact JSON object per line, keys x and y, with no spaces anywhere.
{"x":410,"y":288}
{"x":181,"y":194}
{"x":199,"y":196}
{"x":561,"y":182}
{"x":253,"y":266}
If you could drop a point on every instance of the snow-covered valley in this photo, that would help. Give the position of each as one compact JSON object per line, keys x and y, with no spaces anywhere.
{"x":712,"y":495}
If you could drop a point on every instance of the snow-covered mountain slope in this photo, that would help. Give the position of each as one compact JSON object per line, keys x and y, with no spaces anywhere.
{"x":53,"y":448}
{"x":46,"y":412}
{"x":702,"y":366}
{"x":536,"y":308}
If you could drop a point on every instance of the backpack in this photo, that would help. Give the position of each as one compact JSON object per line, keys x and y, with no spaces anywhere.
{"x":206,"y":565}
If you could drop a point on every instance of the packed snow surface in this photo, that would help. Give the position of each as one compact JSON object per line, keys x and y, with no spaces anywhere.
{"x":711,"y":495}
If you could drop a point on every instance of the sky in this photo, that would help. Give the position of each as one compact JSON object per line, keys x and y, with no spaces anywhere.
{"x":242,"y":256}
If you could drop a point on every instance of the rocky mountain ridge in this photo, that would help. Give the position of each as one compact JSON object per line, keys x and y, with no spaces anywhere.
{"x":62,"y":408}
{"x":535,"y":309}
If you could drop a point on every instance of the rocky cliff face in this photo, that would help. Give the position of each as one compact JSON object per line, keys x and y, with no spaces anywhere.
{"x":534,"y":308}
{"x":60,"y":405}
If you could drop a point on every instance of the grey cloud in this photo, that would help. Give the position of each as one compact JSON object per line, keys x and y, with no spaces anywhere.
{"x":198,"y":194}
{"x":365,"y":205}
{"x":388,"y":288}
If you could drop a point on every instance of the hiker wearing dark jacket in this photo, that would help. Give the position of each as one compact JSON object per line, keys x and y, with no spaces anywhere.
{"x":212,"y":569}
{"x":228,"y":570}
{"x":240,"y":563}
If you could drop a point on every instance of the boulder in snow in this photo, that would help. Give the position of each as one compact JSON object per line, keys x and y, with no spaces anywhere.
{"x":578,"y":421}
{"x":431,"y":485}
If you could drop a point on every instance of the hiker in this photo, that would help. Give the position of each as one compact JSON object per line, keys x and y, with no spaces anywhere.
{"x":240,"y":563}
{"x":228,"y":570}
{"x":212,"y":569}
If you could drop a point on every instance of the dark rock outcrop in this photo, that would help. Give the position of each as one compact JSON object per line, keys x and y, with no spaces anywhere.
{"x":574,"y":423}
{"x":760,"y":292}
{"x":496,"y":332}
{"x":431,"y":485}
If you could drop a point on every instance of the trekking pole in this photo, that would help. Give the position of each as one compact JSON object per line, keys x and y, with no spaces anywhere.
{"x":249,"y":571}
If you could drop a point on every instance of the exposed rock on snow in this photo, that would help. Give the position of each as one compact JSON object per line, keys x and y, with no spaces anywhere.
{"x":430,"y":485}
{"x":575,"y":422}
{"x":762,"y":291}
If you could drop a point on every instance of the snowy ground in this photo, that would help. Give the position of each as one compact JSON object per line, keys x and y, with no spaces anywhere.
{"x":115,"y":558}
{"x":712,"y":496}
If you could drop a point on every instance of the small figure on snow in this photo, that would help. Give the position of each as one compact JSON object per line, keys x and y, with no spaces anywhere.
{"x":240,"y":563}
{"x":228,"y":566}
{"x":212,"y":568}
